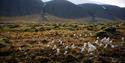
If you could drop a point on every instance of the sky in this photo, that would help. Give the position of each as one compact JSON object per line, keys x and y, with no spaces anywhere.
{"x":120,"y":3}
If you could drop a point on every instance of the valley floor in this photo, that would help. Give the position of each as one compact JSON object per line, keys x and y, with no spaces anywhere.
{"x":62,"y":42}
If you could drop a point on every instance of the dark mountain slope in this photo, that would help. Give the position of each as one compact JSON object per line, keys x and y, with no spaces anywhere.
{"x":19,"y":7}
{"x":115,"y":11}
{"x":60,"y":8}
{"x":65,"y":9}
{"x":104,"y":11}
{"x":123,"y":10}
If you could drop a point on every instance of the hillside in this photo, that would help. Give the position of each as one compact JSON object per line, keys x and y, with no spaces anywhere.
{"x":61,"y":8}
{"x":58,"y":31}
{"x":19,"y":7}
{"x":104,"y":11}
{"x":65,"y":9}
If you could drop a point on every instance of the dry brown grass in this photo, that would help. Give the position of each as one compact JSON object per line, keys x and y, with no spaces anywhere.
{"x":38,"y":43}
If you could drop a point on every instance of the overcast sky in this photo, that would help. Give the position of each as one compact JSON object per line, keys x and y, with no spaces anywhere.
{"x":120,"y":3}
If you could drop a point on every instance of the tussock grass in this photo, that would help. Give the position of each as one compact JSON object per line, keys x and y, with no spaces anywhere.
{"x":62,"y":42}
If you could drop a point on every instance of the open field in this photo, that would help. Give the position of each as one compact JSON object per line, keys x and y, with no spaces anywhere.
{"x":62,"y":42}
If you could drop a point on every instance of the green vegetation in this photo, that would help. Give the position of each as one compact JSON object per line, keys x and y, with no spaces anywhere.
{"x":4,"y":42}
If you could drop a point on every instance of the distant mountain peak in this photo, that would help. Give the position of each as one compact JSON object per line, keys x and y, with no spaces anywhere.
{"x":64,"y":8}
{"x":61,"y":8}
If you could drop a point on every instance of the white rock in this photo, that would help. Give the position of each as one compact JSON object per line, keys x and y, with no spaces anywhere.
{"x":112,"y":46}
{"x":91,"y":47}
{"x":73,"y":46}
{"x":85,"y":45}
{"x":97,"y":41}
{"x":66,"y":47}
{"x":54,"y":47}
{"x":82,"y":49}
{"x":65,"y":52}
{"x":58,"y":51}
{"x":97,"y":38}
{"x":106,"y":46}
{"x":122,"y":38}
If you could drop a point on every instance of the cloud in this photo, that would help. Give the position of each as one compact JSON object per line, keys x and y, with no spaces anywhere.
{"x":82,"y":1}
{"x":46,"y":0}
{"x":120,"y":3}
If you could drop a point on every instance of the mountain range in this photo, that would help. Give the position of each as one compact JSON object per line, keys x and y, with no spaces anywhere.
{"x":60,"y":8}
{"x":19,"y":7}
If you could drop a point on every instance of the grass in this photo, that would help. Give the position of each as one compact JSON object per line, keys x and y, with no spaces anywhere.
{"x":61,"y":42}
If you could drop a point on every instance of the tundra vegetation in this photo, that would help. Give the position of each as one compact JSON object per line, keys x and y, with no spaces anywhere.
{"x":62,"y":42}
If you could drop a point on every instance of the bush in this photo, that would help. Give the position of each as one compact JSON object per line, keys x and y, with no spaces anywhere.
{"x":111,"y":30}
{"x":3,"y":42}
{"x":102,"y":34}
{"x":108,"y":32}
